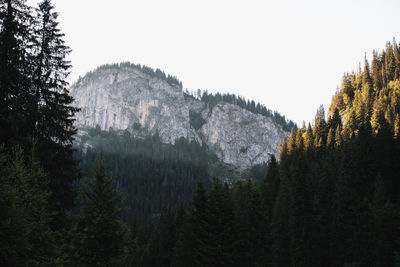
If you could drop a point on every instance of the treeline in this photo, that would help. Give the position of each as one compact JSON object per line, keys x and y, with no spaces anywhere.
{"x":213,"y":99}
{"x":157,"y":73}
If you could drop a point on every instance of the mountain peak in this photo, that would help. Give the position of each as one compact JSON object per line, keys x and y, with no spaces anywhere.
{"x":130,"y":97}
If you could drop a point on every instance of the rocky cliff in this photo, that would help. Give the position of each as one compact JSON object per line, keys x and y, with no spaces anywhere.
{"x":125,"y":97}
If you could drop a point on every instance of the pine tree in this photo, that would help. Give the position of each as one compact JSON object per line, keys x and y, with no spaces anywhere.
{"x":330,"y":141}
{"x":270,"y":187}
{"x":51,"y":110}
{"x":376,"y":71}
{"x":366,"y":75}
{"x":299,"y":208}
{"x":309,"y":138}
{"x":243,"y":241}
{"x":167,"y":238}
{"x":219,"y":245}
{"x":279,"y":226}
{"x":186,"y":244}
{"x":26,"y":236}
{"x":386,"y":218}
{"x":351,"y":232}
{"x":15,"y":87}
{"x":100,"y":234}
{"x":260,"y":247}
{"x":191,"y":244}
{"x":291,"y":145}
{"x":136,"y":243}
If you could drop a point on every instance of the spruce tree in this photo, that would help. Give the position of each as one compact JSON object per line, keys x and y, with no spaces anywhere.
{"x":15,"y":86}
{"x":218,"y":247}
{"x":281,"y":253}
{"x":191,"y":244}
{"x":26,"y":236}
{"x":100,"y":233}
{"x":51,"y":110}
{"x":241,"y":197}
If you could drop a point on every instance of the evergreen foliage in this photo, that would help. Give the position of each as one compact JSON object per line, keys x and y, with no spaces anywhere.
{"x":213,"y":99}
{"x":34,"y":99}
{"x":154,"y":175}
{"x":100,"y":233}
{"x":333,"y":199}
{"x":26,"y":236}
{"x":52,"y":118}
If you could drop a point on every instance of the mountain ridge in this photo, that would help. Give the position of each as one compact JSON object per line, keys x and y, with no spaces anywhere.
{"x":126,"y":96}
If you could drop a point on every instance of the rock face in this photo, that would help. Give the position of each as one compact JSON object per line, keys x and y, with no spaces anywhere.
{"x":126,"y":98}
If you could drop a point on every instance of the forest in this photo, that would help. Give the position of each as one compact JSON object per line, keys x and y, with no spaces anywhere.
{"x":213,"y":99}
{"x":331,"y":197}
{"x":154,"y":175}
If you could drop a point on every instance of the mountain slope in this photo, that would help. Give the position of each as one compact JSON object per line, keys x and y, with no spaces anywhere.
{"x":134,"y":98}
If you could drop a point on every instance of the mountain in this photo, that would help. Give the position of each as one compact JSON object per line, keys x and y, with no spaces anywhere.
{"x":145,"y":102}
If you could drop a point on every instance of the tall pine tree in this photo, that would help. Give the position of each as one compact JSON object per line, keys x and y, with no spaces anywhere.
{"x":100,"y":234}
{"x":52,"y":113}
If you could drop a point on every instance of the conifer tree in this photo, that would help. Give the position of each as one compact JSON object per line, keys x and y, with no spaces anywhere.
{"x":243,"y":241}
{"x":191,"y":244}
{"x":280,"y":226}
{"x":385,"y":218}
{"x":299,"y":208}
{"x":100,"y":234}
{"x":366,"y":75}
{"x":260,"y":247}
{"x":15,"y":87}
{"x":184,"y":254}
{"x":26,"y":236}
{"x":335,"y":119}
{"x":219,"y":245}
{"x":338,"y":137}
{"x":376,"y":71}
{"x":270,"y":187}
{"x":330,"y":141}
{"x":351,"y":238}
{"x":299,"y":140}
{"x":291,"y":145}
{"x":52,"y":113}
{"x":309,"y":138}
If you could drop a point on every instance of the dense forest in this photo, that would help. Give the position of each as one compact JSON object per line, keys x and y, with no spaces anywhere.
{"x":332,"y":198}
{"x":154,"y":175}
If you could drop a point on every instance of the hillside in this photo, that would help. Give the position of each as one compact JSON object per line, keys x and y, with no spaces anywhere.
{"x":134,"y":98}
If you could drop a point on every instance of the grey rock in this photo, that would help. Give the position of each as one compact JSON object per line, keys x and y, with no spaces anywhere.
{"x":123,"y":97}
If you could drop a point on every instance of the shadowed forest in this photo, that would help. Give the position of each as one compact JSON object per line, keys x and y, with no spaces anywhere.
{"x":331,"y":198}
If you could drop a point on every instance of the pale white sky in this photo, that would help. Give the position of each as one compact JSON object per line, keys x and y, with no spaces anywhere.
{"x":289,"y":55}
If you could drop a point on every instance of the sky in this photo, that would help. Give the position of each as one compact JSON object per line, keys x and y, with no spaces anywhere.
{"x":289,"y":55}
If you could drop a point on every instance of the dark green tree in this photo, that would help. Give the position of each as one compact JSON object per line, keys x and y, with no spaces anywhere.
{"x":100,"y":234}
{"x":51,"y":110}
{"x":280,"y":225}
{"x":26,"y":236}
{"x":15,"y":85}
{"x":220,"y":231}
{"x":191,"y":244}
